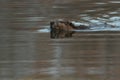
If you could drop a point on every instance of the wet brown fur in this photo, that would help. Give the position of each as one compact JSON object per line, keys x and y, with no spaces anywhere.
{"x":62,"y":29}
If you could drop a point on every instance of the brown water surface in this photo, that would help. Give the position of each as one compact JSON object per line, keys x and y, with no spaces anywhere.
{"x":29,"y":55}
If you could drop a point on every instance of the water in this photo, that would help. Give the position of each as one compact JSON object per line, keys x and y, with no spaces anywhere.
{"x":28,"y":53}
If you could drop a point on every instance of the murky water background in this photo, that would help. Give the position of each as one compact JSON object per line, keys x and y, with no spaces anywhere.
{"x":29,"y":55}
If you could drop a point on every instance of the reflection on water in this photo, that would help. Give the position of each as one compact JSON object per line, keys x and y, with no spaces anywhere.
{"x":29,"y":55}
{"x":85,"y":56}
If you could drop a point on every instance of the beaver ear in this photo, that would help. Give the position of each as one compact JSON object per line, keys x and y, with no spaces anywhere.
{"x":71,"y":24}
